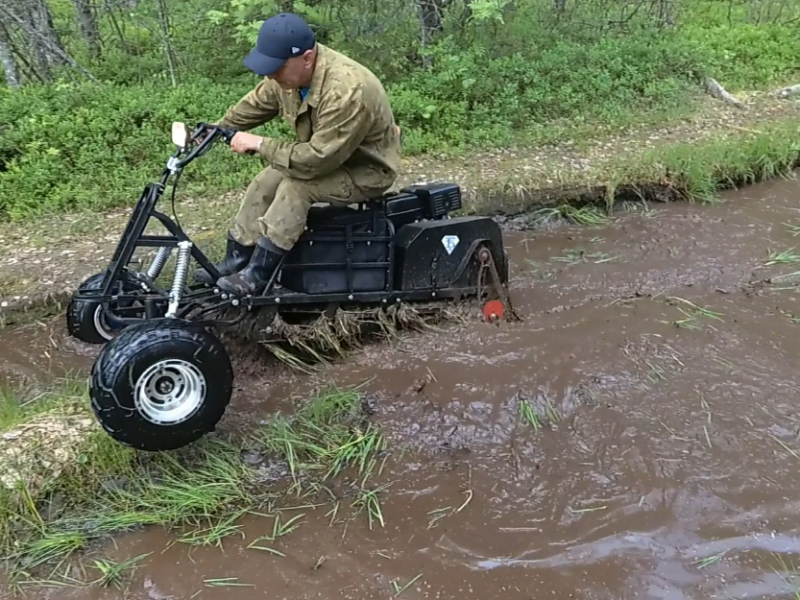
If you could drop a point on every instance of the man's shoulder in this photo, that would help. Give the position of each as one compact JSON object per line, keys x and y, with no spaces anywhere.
{"x":348,"y":76}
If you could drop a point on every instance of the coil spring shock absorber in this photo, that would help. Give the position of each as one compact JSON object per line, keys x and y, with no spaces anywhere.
{"x":158,"y":262}
{"x":179,"y":280}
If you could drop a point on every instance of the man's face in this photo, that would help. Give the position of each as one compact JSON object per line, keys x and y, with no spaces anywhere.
{"x":295,"y":72}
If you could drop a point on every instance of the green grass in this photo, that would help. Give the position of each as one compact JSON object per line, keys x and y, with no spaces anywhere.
{"x":698,"y":171}
{"x":692,"y":313}
{"x":199,"y":494}
{"x":74,"y":144}
{"x":15,"y":408}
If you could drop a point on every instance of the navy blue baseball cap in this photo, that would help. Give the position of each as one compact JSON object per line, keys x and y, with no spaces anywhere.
{"x":280,"y":38}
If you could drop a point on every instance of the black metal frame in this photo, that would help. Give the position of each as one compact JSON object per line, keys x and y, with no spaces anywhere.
{"x":206,"y":299}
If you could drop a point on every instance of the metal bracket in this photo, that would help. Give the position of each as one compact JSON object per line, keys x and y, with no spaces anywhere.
{"x":486,"y":260}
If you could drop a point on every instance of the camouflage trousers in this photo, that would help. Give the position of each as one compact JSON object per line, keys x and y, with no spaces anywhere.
{"x":277,"y":206}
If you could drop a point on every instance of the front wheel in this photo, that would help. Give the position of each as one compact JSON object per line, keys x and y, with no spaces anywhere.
{"x":85,"y":320}
{"x":161,"y":385}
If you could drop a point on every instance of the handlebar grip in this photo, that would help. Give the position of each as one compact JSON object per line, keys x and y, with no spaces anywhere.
{"x":227,"y":134}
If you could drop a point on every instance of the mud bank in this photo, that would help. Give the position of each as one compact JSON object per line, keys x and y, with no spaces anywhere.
{"x":634,"y":437}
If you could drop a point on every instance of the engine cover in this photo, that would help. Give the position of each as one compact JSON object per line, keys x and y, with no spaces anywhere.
{"x":437,"y":254}
{"x":343,"y":250}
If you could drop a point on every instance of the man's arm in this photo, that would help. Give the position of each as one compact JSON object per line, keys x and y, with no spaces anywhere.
{"x":342,"y":123}
{"x":257,"y":107}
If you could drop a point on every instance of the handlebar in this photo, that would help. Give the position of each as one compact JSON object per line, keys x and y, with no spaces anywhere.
{"x":226,"y":134}
{"x":207,"y":134}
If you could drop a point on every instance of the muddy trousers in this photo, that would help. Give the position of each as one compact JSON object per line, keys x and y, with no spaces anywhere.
{"x":277,"y":206}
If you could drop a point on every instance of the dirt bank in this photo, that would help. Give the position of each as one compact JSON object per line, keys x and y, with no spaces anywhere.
{"x":656,"y":455}
{"x":42,"y":263}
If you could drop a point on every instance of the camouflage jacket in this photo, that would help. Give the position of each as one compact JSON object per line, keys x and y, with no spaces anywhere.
{"x":345,"y":121}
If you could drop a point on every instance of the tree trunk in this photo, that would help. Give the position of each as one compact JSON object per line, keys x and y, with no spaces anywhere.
{"x":88,"y":25}
{"x":47,"y":38}
{"x":172,"y":60}
{"x":10,"y":70}
{"x":430,"y":21}
{"x":33,"y":18}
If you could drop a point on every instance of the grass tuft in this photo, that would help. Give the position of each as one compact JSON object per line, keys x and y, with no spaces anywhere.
{"x":199,"y":493}
{"x":692,"y":313}
{"x":782,"y":258}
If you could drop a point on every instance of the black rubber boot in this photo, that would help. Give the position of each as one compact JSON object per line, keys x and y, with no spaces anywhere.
{"x":255,"y":276}
{"x":236,"y":258}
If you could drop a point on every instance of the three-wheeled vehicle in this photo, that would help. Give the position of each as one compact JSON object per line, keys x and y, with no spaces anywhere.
{"x":164,"y":379}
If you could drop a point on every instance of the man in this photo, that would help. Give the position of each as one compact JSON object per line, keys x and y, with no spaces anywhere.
{"x":347,"y":147}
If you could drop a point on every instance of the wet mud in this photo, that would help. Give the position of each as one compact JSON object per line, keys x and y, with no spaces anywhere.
{"x":658,"y":354}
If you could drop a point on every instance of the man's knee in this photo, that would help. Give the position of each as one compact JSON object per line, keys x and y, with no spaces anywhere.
{"x":263,"y":187}
{"x":256,"y":201}
{"x":285,"y":220}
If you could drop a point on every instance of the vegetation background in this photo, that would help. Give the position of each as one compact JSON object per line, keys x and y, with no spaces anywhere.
{"x":91,"y":86}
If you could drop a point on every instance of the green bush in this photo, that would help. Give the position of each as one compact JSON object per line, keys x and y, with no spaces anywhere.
{"x":95,"y":146}
{"x":491,"y":84}
{"x":747,"y":56}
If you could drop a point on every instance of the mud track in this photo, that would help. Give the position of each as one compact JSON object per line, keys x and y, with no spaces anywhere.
{"x":658,"y":354}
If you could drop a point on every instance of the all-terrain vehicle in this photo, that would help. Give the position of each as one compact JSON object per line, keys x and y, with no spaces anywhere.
{"x":164,"y":379}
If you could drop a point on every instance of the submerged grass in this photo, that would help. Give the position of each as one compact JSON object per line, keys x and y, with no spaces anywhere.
{"x":322,"y":339}
{"x":538,"y":417}
{"x":692,"y":313}
{"x":199,"y":493}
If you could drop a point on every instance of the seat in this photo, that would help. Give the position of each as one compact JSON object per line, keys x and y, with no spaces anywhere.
{"x":408,"y":205}
{"x":399,"y":207}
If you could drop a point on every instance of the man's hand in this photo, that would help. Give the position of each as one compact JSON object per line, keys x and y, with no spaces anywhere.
{"x":246,"y":143}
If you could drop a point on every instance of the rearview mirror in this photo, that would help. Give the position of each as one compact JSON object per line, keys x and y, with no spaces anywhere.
{"x":180,"y":134}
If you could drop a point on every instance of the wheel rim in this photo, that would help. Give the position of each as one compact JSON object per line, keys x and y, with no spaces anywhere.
{"x":101,"y":326}
{"x":170,"y":391}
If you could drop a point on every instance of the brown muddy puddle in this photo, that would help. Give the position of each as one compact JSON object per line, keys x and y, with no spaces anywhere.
{"x":671,"y":468}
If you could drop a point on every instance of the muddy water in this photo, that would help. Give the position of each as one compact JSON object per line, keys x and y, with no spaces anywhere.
{"x":671,"y":467}
{"x":40,"y":351}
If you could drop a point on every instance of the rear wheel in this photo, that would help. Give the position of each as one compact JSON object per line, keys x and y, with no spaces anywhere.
{"x":161,"y":385}
{"x":85,"y":319}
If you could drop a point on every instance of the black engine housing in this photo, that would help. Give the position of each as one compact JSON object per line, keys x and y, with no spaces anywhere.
{"x":437,"y":254}
{"x":401,"y":240}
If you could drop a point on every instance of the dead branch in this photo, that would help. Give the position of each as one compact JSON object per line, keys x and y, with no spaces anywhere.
{"x":714,"y":88}
{"x":787,"y":91}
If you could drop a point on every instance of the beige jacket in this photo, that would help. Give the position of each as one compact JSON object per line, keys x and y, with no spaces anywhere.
{"x":345,"y":121}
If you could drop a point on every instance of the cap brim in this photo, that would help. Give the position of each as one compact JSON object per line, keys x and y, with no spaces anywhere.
{"x":262,"y":65}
